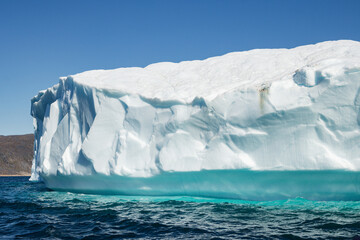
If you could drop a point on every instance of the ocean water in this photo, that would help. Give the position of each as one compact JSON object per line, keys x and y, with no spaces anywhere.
{"x":31,"y":211}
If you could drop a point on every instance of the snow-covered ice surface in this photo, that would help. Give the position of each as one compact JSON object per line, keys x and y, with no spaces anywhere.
{"x":260,"y":110}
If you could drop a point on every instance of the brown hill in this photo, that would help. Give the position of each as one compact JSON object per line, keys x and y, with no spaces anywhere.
{"x":16,"y":154}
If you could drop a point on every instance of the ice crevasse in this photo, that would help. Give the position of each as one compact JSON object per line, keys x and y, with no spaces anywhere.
{"x":259,"y":124}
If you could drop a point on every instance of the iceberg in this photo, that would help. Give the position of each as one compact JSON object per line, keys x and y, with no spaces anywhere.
{"x":256,"y":125}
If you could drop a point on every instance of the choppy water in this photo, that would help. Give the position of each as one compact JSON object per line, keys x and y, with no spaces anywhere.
{"x":30,"y":211}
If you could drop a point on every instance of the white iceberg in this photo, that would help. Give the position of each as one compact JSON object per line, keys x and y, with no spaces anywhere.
{"x":131,"y":130}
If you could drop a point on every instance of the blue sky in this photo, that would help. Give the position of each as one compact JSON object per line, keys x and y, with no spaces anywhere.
{"x":43,"y":40}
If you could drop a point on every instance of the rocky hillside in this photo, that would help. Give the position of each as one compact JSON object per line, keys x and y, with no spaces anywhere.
{"x":16,"y":153}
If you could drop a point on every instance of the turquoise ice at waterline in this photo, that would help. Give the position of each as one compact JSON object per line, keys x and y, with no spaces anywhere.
{"x":229,"y":184}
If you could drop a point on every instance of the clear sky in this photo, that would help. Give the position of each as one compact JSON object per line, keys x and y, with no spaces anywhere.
{"x":43,"y":40}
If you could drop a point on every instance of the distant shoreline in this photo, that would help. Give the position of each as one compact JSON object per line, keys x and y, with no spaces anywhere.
{"x":16,"y":155}
{"x":19,"y":175}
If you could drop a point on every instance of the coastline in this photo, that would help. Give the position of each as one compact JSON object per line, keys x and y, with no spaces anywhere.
{"x":15,"y":175}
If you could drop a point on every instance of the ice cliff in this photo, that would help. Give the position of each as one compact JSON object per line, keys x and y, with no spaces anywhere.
{"x":260,"y":110}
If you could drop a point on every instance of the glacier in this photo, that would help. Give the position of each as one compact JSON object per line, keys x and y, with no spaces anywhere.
{"x":260,"y":124}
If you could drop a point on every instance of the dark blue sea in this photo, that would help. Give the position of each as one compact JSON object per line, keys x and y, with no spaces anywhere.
{"x":31,"y":211}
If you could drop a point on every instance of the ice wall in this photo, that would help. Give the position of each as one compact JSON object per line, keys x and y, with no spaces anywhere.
{"x":264,"y":110}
